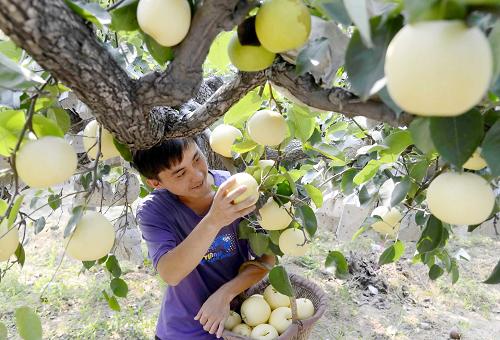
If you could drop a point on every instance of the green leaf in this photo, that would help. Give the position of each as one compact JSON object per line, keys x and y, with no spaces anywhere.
{"x":364,"y":65}
{"x":119,"y":287}
{"x":14,"y":76}
{"x":420,"y":129}
{"x":432,"y":235}
{"x":8,"y":142}
{"x":428,"y":10}
{"x":490,"y":149}
{"x":358,"y":12}
{"x":160,"y":53}
{"x":494,"y":276}
{"x":123,"y":150}
{"x":337,"y":259}
{"x":113,"y":266}
{"x":20,"y":254}
{"x":396,"y":143}
{"x":456,"y":138}
{"x":347,"y":184}
{"x":418,"y":171}
{"x":329,"y":151}
{"x":54,"y":201}
{"x":39,"y":225}
{"x":91,"y":12}
{"x":15,"y":209}
{"x":76,"y":215}
{"x":12,"y":120}
{"x":10,"y":50}
{"x":124,"y":18}
{"x":364,"y":196}
{"x":3,"y":206}
{"x":218,"y":58}
{"x":245,"y":146}
{"x":435,"y":272}
{"x":61,"y":117}
{"x":259,"y":243}
{"x":400,"y":191}
{"x":301,"y":126}
{"x":278,"y":277}
{"x":494,"y":39}
{"x":245,"y":230}
{"x":28,"y":324}
{"x":392,"y":253}
{"x":283,"y":189}
{"x":387,"y":99}
{"x":102,"y":259}
{"x":335,"y":10}
{"x":308,"y":57}
{"x":455,"y":275}
{"x":359,"y":232}
{"x":88,"y":264}
{"x":367,"y":172}
{"x":315,"y":194}
{"x":112,"y":301}
{"x":44,"y":126}
{"x":239,"y":113}
{"x":308,"y":219}
{"x":3,"y":331}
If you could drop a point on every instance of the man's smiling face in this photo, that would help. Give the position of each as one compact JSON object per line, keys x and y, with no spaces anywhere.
{"x":188,"y":178}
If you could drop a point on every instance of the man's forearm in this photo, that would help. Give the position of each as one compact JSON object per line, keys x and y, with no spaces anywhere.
{"x":247,"y":278}
{"x":183,"y":259}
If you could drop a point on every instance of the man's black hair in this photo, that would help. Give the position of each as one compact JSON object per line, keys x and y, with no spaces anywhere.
{"x":162,"y":156}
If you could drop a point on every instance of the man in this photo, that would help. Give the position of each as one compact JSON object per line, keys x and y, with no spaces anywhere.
{"x":191,"y":234}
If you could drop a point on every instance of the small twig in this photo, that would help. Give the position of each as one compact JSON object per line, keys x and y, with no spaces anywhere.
{"x":115,"y":5}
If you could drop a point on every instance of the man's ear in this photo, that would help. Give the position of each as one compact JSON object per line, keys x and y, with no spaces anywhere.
{"x":154,"y":183}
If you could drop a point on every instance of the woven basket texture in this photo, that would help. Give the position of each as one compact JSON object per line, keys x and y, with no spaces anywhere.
{"x":300,"y":329}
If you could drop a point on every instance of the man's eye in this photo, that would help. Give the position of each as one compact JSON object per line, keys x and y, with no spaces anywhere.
{"x":180,"y":175}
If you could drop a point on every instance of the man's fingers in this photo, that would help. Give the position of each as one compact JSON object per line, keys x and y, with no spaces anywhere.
{"x":227,"y":184}
{"x":249,"y":201}
{"x":215,"y":327}
{"x":203,"y":319}
{"x":235,"y":193}
{"x":246,"y":211}
{"x":221,"y":328}
{"x":208,"y":325}
{"x":198,"y":315}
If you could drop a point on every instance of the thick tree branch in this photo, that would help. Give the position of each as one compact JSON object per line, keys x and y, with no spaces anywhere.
{"x":334,"y":99}
{"x":184,"y":75}
{"x":215,"y":107}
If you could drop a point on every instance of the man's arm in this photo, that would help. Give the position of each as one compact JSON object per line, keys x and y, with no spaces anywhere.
{"x":215,"y":310}
{"x":183,"y":259}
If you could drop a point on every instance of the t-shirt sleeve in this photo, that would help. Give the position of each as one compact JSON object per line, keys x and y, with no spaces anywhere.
{"x":158,"y":233}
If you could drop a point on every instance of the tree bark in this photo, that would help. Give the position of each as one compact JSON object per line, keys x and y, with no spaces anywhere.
{"x":141,"y":113}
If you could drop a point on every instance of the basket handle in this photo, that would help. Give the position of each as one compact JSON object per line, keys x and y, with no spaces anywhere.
{"x":293,"y":306}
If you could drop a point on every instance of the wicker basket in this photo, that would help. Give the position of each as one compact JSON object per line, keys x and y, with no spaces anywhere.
{"x":300,"y":329}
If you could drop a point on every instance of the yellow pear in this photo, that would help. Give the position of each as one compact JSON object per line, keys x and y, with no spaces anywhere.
{"x":282,"y":25}
{"x":45,"y":162}
{"x":460,"y":198}
{"x":166,"y":21}
{"x":438,"y":68}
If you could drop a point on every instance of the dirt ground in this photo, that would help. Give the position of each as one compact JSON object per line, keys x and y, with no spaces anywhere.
{"x":396,"y":301}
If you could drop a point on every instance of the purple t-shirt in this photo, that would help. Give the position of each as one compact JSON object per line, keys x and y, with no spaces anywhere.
{"x":165,"y":222}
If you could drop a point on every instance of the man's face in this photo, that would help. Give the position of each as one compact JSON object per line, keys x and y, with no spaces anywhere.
{"x":187,"y":178}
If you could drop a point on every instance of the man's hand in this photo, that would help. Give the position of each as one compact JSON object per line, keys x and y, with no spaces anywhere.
{"x":223,"y":211}
{"x":214,"y":312}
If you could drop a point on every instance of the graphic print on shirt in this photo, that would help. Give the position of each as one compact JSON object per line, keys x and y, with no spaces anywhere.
{"x":223,"y":246}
